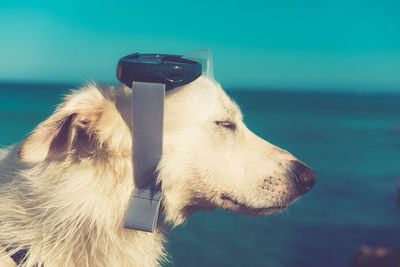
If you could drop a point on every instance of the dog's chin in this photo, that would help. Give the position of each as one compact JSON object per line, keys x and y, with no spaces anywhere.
{"x":228,"y":203}
{"x":225,"y":202}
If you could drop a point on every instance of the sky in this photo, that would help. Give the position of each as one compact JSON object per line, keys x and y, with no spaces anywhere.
{"x":288,"y":44}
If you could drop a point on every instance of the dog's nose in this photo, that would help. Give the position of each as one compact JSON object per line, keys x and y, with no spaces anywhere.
{"x":305,"y":177}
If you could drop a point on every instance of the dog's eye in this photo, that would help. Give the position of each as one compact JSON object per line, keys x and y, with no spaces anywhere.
{"x":227,"y":124}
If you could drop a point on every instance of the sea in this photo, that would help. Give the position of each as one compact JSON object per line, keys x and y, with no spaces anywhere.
{"x":350,"y":139}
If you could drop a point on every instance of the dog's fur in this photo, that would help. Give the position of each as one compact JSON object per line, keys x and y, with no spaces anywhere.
{"x":65,"y":189}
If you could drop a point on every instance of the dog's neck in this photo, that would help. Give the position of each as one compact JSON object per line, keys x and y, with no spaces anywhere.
{"x":77,"y":224}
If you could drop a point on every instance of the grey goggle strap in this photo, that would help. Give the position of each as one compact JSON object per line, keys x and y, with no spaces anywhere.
{"x":142,"y":109}
{"x":147,"y":137}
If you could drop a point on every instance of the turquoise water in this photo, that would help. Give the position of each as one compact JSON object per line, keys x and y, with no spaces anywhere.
{"x":351,"y":141}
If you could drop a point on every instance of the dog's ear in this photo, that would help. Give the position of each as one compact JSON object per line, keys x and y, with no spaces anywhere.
{"x":71,"y":125}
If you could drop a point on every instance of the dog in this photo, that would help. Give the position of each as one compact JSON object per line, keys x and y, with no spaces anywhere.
{"x":65,"y":189}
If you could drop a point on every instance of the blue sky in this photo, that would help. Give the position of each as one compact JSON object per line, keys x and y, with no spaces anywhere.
{"x":311,"y":44}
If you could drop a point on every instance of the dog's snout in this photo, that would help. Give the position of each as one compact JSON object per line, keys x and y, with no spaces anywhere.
{"x":305,"y":177}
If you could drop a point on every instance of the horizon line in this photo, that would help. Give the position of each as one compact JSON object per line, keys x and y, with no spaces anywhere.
{"x":250,"y":89}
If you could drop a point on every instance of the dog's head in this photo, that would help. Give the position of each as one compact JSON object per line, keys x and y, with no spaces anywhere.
{"x":210,"y":158}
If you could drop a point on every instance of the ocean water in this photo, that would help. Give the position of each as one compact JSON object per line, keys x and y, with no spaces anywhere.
{"x":352,"y":141}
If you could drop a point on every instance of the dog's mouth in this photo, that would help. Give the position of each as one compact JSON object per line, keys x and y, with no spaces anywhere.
{"x":231,"y":204}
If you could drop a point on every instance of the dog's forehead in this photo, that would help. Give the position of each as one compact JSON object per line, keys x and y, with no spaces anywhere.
{"x":228,"y":109}
{"x":194,"y":102}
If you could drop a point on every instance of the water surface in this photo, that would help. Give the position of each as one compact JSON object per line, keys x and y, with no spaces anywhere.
{"x":351,"y":141}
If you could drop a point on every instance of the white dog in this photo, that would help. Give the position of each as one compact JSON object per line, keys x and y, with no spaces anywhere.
{"x":65,"y":189}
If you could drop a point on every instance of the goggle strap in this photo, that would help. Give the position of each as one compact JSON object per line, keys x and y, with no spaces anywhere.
{"x":147,"y":139}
